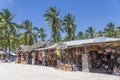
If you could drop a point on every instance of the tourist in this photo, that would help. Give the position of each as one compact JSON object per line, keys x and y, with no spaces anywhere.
{"x":39,"y":58}
{"x":36,"y":59}
{"x":118,"y":60}
{"x":58,"y":62}
{"x":43,"y":61}
{"x":29,"y":58}
{"x":112,"y":59}
{"x":115,"y":70}
{"x":33,"y":58}
{"x":26,"y":58}
{"x":74,"y":66}
{"x":19,"y":57}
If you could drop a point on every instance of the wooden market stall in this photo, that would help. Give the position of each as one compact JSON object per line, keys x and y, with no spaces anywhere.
{"x":98,"y":46}
{"x":83,"y":55}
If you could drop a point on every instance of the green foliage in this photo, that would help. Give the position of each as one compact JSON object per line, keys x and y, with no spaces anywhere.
{"x":69,"y":26}
{"x":8,"y":27}
{"x":80,"y":35}
{"x":90,"y":32}
{"x":99,"y":33}
{"x":41,"y":33}
{"x":54,"y":21}
{"x":28,"y":36}
{"x":110,"y":30}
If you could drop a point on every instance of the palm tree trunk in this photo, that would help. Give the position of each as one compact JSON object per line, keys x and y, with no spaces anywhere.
{"x":6,"y":47}
{"x":9,"y":43}
{"x":54,"y":33}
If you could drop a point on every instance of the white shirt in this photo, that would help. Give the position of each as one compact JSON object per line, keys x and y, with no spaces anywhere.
{"x":43,"y":53}
{"x":33,"y":54}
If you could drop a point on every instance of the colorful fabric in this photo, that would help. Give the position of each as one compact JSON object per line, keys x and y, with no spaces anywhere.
{"x":51,"y":50}
{"x":77,"y":51}
{"x":58,"y":52}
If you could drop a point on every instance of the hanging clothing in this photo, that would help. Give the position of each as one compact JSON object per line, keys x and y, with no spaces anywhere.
{"x":63,"y":51}
{"x":43,"y":53}
{"x":36,"y":57}
{"x":58,"y":52}
{"x":51,"y":50}
{"x":39,"y":56}
{"x":19,"y":58}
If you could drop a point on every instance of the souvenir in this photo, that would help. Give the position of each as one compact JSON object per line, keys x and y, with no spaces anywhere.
{"x":100,"y":51}
{"x":113,"y":51}
{"x":58,"y":52}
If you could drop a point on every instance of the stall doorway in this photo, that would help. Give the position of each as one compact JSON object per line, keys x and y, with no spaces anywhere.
{"x":96,"y":62}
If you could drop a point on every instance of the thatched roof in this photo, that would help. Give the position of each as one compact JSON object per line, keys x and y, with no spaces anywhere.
{"x":24,"y":47}
{"x":41,"y":44}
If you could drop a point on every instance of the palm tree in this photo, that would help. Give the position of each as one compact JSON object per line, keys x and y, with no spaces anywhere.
{"x":14,"y":42}
{"x":117,"y":30}
{"x":52,"y":17}
{"x":86,"y":36}
{"x":42,"y":33}
{"x":110,"y":30}
{"x":90,"y":31}
{"x":3,"y":40}
{"x":80,"y":35}
{"x":98,"y":34}
{"x":28,"y":36}
{"x":8,"y":27}
{"x":59,"y":38}
{"x":69,"y":26}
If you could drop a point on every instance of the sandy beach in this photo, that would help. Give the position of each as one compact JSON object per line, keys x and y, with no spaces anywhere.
{"x":12,"y":71}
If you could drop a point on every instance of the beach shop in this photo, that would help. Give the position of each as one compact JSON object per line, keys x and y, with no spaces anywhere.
{"x":96,"y":55}
{"x":91,"y":55}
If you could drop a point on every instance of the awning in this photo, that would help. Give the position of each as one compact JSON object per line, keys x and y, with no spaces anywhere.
{"x":90,"y":41}
{"x":79,"y":42}
{"x":105,"y":39}
{"x":74,"y":43}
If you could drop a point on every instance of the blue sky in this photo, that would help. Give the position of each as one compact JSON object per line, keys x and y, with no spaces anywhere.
{"x":96,"y":13}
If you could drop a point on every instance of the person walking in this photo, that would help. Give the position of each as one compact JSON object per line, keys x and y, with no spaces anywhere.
{"x":36,"y":59}
{"x":33,"y":58}
{"x":114,"y":71}
{"x":118,"y":60}
{"x":58,"y":62}
{"x":19,"y":57}
{"x":27,"y":56}
{"x":43,"y":61}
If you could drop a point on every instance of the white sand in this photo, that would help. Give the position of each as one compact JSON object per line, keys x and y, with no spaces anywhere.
{"x":11,"y":71}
